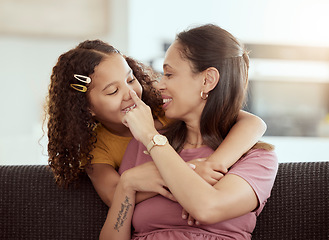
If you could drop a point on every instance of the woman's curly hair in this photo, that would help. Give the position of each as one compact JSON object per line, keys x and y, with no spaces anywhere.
{"x":71,"y":134}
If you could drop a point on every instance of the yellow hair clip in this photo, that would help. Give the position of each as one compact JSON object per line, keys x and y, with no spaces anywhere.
{"x":79,"y":87}
{"x":81,"y":78}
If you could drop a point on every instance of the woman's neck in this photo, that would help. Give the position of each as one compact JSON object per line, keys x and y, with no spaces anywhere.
{"x":193,"y":137}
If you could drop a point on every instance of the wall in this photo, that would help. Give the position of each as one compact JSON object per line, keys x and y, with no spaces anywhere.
{"x":26,"y":62}
{"x":138,"y":28}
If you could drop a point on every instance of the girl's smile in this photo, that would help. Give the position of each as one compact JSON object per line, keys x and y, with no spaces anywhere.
{"x":109,"y":92}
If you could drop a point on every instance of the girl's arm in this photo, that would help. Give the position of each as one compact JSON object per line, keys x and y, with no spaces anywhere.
{"x":243,"y":135}
{"x":105,"y":179}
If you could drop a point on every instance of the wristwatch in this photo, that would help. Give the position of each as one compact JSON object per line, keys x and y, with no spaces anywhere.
{"x":157,"y":140}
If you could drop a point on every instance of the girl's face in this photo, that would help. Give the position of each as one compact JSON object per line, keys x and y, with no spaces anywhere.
{"x":109,"y":92}
{"x":180,"y":87}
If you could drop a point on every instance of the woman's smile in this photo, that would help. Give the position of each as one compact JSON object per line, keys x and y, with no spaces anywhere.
{"x":166,"y":101}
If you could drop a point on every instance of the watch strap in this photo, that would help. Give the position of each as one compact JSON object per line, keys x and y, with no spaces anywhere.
{"x":150,"y":145}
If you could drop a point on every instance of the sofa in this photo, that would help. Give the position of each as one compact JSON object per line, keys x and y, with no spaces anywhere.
{"x":33,"y":207}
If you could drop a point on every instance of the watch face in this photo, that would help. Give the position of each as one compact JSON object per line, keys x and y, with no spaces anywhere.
{"x":160,"y":140}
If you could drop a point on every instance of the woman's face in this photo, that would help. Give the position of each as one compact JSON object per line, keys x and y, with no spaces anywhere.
{"x":180,"y":87}
{"x":109,"y":92}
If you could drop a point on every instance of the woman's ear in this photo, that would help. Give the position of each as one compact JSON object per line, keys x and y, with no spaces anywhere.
{"x":211,"y":79}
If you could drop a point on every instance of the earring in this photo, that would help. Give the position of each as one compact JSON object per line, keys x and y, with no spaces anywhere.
{"x":204,"y":96}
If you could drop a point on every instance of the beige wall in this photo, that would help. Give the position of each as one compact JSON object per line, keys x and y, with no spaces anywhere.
{"x":138,"y":28}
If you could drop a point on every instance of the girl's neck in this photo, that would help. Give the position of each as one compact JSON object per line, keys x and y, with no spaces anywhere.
{"x":116,"y":129}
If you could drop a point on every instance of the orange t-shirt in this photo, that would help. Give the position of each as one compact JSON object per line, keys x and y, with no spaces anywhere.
{"x":110,"y":148}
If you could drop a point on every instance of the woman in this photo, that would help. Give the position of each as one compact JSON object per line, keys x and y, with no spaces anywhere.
{"x":203,"y":88}
{"x":89,"y":97}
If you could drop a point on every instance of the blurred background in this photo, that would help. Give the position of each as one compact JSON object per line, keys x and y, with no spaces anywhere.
{"x":289,"y":72}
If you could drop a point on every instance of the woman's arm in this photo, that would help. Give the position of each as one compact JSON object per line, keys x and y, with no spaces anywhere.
{"x":105,"y":179}
{"x":207,"y":204}
{"x":118,"y":222}
{"x":198,"y":197}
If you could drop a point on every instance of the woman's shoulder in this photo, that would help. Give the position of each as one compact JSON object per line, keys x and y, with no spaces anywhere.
{"x":264,"y":146}
{"x":263,"y":156}
{"x":262,"y":150}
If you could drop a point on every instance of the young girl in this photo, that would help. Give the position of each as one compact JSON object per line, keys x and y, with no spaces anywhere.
{"x":88,"y":99}
{"x":204,"y":84}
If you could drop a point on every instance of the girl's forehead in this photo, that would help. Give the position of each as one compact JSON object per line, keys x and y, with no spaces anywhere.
{"x":114,"y":64}
{"x":113,"y":68}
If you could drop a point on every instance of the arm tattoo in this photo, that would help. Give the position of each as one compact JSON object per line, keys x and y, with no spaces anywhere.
{"x":122,"y":215}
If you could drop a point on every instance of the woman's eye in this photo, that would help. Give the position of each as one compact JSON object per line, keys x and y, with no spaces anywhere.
{"x":112,"y":92}
{"x":168,"y":75}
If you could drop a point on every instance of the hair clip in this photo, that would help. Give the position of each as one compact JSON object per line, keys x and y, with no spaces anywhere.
{"x":79,"y":87}
{"x":81,"y":78}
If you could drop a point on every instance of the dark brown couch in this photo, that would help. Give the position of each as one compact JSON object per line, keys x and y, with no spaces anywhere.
{"x":33,"y":207}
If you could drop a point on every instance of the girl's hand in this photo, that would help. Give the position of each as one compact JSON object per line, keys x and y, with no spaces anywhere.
{"x":146,"y":178}
{"x":210,"y":171}
{"x":190,"y":220}
{"x":140,"y":121}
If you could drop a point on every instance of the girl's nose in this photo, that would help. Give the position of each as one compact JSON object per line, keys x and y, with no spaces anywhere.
{"x":160,"y":85}
{"x":126,"y":95}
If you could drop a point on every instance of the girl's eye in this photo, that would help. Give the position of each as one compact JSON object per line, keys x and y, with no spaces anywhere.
{"x":132,"y":80}
{"x":112,"y":92}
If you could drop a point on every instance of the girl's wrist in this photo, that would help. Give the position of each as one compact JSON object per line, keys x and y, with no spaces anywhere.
{"x":222,"y":167}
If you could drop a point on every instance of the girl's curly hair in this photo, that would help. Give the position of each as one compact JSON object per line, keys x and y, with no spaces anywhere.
{"x":71,"y":134}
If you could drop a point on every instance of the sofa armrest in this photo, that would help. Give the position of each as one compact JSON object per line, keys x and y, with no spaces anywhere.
{"x":299,"y":205}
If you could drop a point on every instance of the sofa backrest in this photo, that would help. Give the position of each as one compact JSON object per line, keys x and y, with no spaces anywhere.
{"x":33,"y":207}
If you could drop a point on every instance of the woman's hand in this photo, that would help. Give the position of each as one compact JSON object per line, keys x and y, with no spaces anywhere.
{"x":140,"y":121}
{"x":146,"y":178}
